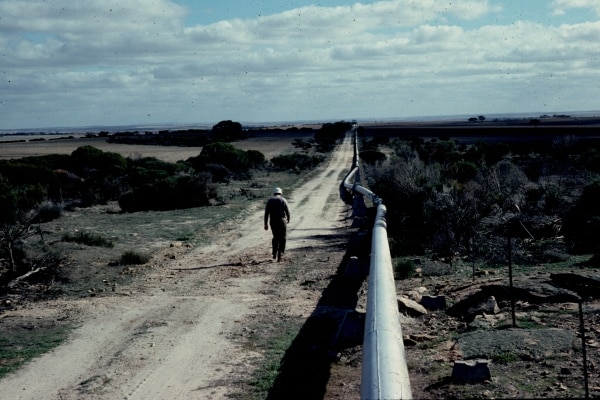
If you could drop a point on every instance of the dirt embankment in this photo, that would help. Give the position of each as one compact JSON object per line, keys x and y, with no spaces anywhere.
{"x":179,"y":332}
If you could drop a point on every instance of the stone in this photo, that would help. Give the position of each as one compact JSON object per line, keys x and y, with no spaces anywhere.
{"x":411,"y":307}
{"x":414,"y":296}
{"x":485,"y":321}
{"x":465,"y":371}
{"x":488,"y":306}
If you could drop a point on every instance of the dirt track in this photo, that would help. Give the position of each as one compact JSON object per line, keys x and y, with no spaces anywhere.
{"x":172,"y":334}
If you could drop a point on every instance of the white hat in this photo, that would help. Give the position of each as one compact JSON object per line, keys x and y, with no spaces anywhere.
{"x":278,"y":191}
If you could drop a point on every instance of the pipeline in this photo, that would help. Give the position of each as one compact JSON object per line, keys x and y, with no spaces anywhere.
{"x":384,"y":370}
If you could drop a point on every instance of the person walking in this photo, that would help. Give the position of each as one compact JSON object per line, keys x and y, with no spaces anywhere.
{"x":277,"y":214}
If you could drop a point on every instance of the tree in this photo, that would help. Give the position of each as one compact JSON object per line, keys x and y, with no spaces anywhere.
{"x":228,"y":131}
{"x":17,"y":214}
{"x":237,"y":161}
{"x":329,"y":134}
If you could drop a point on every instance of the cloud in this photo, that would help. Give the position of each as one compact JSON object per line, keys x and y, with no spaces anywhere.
{"x":95,"y":61}
{"x":561,"y":6}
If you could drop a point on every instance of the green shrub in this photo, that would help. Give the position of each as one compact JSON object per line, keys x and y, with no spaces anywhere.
{"x":403,"y":268}
{"x":89,"y":239}
{"x":372,"y":156}
{"x":329,"y":134}
{"x":48,"y":211}
{"x":90,"y":158}
{"x":505,"y":358}
{"x":296,"y":161}
{"x":133,"y":258}
{"x":235,"y":160}
{"x":170,"y":193}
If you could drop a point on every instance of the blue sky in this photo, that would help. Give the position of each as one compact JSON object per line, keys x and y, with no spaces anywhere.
{"x":110,"y":62}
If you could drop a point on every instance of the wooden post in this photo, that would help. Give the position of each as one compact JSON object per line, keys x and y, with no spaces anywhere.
{"x":583,"y":350}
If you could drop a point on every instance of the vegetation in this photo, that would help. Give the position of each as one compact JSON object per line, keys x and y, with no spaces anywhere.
{"x":330,"y":134}
{"x":403,"y":268}
{"x":88,"y":239}
{"x":296,"y":162}
{"x":133,"y":258}
{"x":30,"y":342}
{"x":448,"y":198}
{"x":36,"y":190}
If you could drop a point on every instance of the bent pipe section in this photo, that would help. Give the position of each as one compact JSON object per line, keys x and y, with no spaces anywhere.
{"x":384,"y":370}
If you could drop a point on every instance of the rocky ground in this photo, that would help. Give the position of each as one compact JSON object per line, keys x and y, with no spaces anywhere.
{"x":540,"y":356}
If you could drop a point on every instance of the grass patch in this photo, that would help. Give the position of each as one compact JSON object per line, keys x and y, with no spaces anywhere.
{"x":25,"y":343}
{"x":505,"y":358}
{"x":274,"y":344}
{"x":89,"y":239}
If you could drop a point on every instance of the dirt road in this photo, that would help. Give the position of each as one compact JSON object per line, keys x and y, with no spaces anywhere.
{"x":175,"y":333}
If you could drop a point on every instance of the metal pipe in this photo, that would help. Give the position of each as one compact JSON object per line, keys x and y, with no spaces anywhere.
{"x":384,"y":370}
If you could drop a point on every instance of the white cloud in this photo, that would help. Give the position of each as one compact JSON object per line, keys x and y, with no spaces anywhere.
{"x":98,"y":60}
{"x":562,"y":6}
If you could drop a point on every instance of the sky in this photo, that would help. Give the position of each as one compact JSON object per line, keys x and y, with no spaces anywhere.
{"x":66,"y":63}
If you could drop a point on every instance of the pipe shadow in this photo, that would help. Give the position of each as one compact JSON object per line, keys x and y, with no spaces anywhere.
{"x":333,"y":325}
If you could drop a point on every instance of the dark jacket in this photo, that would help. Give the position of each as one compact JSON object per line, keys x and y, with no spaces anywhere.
{"x":277,"y":209}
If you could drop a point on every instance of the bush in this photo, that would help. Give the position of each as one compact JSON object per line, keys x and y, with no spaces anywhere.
{"x":47,"y":211}
{"x":372,"y":156}
{"x":133,"y":258}
{"x":170,"y":193}
{"x":238,"y":162}
{"x":88,"y":239}
{"x":403,"y":268}
{"x":296,"y":162}
{"x":87,"y":158}
{"x":329,"y":134}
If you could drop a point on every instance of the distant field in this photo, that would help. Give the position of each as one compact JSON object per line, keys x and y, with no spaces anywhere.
{"x":269,"y":144}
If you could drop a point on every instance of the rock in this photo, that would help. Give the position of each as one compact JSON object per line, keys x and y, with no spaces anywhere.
{"x":489,"y":306}
{"x":414,"y":296}
{"x":422,"y":337}
{"x":421,"y":289}
{"x":471,"y":371}
{"x":485,"y":321}
{"x":433,"y":303}
{"x":411,"y":307}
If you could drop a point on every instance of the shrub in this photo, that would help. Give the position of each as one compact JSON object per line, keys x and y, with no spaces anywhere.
{"x":296,"y":161}
{"x":133,"y":258}
{"x":235,"y":160}
{"x":329,"y":134}
{"x":86,"y":158}
{"x":88,"y":239}
{"x":47,"y":211}
{"x":184,"y":191}
{"x":403,"y":268}
{"x":372,"y":156}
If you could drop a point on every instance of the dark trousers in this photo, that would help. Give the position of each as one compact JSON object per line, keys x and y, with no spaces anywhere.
{"x":279,"y":229}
